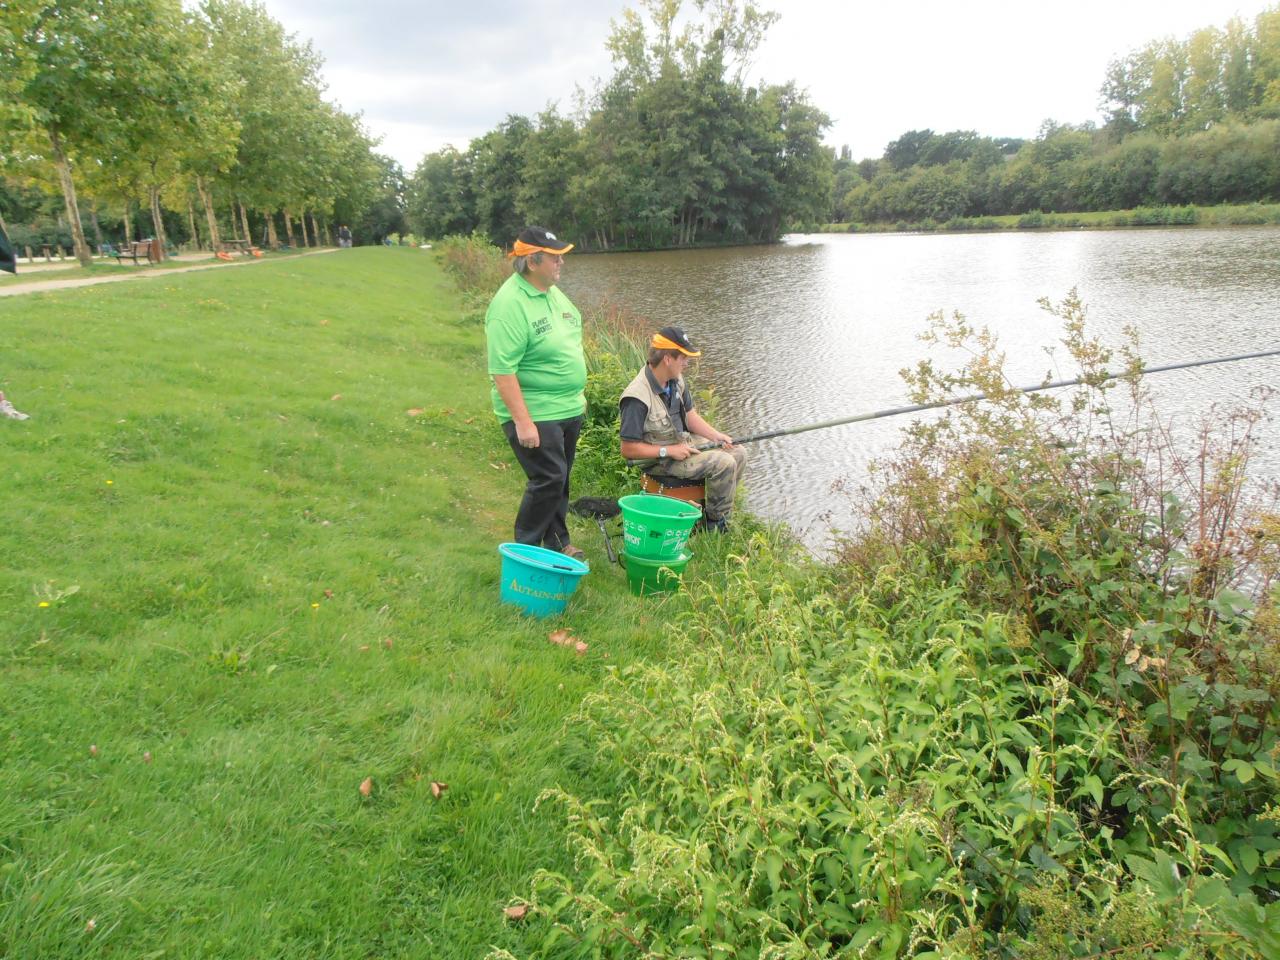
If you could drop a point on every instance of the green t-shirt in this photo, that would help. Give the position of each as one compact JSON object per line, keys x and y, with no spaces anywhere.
{"x":538,"y":337}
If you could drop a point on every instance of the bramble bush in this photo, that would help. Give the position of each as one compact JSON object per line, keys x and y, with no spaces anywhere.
{"x":477,"y":267}
{"x":1030,"y":711}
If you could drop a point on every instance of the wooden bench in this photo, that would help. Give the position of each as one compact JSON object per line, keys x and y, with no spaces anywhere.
{"x":134,"y":250}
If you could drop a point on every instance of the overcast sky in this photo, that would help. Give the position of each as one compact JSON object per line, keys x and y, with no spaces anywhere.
{"x":425,"y":73}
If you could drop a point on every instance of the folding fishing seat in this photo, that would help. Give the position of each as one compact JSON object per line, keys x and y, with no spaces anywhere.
{"x":693,"y":491}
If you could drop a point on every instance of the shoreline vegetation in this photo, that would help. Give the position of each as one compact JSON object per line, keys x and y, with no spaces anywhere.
{"x":1222,"y":215}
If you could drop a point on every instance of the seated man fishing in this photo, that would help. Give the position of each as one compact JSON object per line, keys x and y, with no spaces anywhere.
{"x":659,"y":427}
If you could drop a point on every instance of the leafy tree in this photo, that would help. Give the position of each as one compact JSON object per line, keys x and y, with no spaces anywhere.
{"x":494,"y":161}
{"x":82,"y":60}
{"x":439,"y":196}
{"x":909,"y":149}
{"x":548,"y":158}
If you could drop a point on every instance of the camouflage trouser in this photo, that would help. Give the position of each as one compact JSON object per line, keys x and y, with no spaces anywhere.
{"x":718,"y":469}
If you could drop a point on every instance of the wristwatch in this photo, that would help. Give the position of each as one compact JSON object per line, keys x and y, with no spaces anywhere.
{"x":662,"y":453}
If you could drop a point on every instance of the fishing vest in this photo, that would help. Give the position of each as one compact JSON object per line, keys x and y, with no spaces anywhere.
{"x":659,"y":428}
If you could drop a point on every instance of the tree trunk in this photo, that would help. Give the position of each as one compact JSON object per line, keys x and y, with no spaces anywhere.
{"x":191,"y":224}
{"x":97,"y":227}
{"x":60,"y":161}
{"x":209,"y":214}
{"x":302,"y":222}
{"x":244,"y":221}
{"x":272,"y":239}
{"x":158,"y":239}
{"x":288,"y":227}
{"x":128,"y":221}
{"x":4,"y":226}
{"x":315,"y":230}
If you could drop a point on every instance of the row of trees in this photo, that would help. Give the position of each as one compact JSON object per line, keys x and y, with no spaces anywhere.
{"x":1069,"y":169}
{"x":1184,"y":86}
{"x":1189,"y":122}
{"x":675,"y":149}
{"x":115,"y":102}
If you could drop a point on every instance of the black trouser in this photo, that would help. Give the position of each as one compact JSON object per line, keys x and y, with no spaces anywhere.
{"x":541,"y":520}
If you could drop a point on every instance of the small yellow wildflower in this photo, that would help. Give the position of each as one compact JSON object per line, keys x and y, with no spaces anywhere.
{"x":110,"y":482}
{"x":44,"y":603}
{"x":315,"y":606}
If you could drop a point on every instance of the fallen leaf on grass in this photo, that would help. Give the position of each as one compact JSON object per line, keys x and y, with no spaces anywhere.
{"x":387,"y":642}
{"x":366,"y":786}
{"x":328,"y":594}
{"x":146,"y":756}
{"x":517,"y":912}
{"x":324,"y":323}
{"x":469,"y":420}
{"x":448,"y":411}
{"x":336,"y":396}
{"x":438,"y":788}
{"x":91,"y":926}
{"x":498,"y":466}
{"x":414,"y":411}
{"x":93,"y":749}
{"x":364,"y":648}
{"x":560,"y":637}
{"x":580,"y":648}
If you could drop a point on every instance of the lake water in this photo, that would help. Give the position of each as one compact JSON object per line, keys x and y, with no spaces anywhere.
{"x":819,"y":327}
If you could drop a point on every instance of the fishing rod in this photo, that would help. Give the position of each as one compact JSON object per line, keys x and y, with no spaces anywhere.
{"x":918,"y":407}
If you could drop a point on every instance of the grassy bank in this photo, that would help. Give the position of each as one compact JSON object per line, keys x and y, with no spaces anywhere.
{"x":1253,"y":214}
{"x":248,"y":541}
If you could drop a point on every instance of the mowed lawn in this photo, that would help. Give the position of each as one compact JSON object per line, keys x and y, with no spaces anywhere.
{"x":237,"y":578}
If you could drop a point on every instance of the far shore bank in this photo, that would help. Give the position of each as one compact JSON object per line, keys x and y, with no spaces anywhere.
{"x":1229,"y":215}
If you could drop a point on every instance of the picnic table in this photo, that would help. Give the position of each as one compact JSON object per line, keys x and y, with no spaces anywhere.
{"x":136,"y":251}
{"x":235,"y":245}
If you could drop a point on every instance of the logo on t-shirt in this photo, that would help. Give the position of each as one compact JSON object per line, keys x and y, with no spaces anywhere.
{"x":542,"y":326}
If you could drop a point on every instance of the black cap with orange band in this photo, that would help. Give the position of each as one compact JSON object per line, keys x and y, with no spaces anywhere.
{"x":538,"y":240}
{"x":673,"y":338}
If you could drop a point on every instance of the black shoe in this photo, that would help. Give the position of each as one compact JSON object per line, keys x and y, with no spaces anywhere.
{"x":718,"y":525}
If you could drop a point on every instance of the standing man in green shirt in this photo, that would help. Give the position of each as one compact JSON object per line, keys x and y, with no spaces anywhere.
{"x":534,"y":338}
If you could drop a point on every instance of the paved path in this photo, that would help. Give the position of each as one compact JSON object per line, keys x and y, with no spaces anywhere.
{"x":40,"y":286}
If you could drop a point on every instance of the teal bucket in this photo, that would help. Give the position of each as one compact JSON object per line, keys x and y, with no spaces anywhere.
{"x":538,"y":580}
{"x":654,"y":527}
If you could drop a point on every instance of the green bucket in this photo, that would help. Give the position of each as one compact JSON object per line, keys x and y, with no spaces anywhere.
{"x":646,"y":575}
{"x":654,"y":527}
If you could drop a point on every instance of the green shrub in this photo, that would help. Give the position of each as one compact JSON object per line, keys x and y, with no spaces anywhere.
{"x":477,"y":267}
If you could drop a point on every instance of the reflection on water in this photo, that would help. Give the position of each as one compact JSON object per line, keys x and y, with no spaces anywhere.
{"x":819,"y":327}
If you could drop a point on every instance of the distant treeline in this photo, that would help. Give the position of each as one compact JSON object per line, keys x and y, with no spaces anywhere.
{"x":674,"y":150}
{"x":1189,"y":122}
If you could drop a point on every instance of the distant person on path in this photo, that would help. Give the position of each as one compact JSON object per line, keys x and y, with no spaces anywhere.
{"x":534,"y":339}
{"x":344,"y":236}
{"x":660,"y":427}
